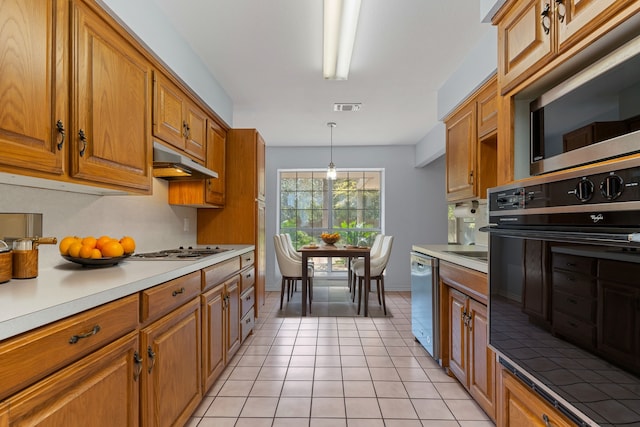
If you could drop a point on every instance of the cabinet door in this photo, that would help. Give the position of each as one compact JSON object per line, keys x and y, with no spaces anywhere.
{"x":171,"y":380}
{"x":521,"y":407}
{"x":260,"y":171}
{"x":482,"y":360}
{"x":525,"y":41}
{"x":33,"y":87}
{"x":111,"y":105}
{"x":232,"y":293}
{"x":460,"y":152}
{"x":488,"y":109}
{"x":169,"y":123}
{"x":4,"y":415}
{"x":457,"y":335}
{"x":577,"y":18}
{"x":213,"y":336}
{"x":196,"y":135}
{"x":99,"y":390}
{"x":260,"y":256}
{"x":216,"y":146}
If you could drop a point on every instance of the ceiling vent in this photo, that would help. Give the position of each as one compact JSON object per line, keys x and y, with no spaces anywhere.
{"x":351,"y":106}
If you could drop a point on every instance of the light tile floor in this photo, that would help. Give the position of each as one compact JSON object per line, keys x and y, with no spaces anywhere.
{"x":337,"y":371}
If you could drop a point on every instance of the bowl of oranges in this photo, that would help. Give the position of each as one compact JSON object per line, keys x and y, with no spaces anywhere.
{"x":91,"y":251}
{"x":330,"y":238}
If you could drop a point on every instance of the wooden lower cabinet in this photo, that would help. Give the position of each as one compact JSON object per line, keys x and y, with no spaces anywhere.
{"x":221,"y":328}
{"x":171,"y":379}
{"x":465,"y":337}
{"x":98,"y":390}
{"x":520,"y":406}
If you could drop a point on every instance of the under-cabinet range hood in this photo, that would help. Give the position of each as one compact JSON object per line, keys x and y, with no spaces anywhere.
{"x":169,"y":164}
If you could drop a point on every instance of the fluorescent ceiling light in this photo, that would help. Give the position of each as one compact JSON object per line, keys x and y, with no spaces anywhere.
{"x":340,"y":24}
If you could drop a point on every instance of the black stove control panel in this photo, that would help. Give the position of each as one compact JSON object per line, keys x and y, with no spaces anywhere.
{"x":593,"y":189}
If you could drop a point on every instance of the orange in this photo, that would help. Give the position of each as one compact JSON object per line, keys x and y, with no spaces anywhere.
{"x":95,"y":253}
{"x":102,"y":240}
{"x":85,"y":251}
{"x":90,"y":241}
{"x":112,"y":249}
{"x":128,"y":244}
{"x":74,"y":249}
{"x":65,"y":243}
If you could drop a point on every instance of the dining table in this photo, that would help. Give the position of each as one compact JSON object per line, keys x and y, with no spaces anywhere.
{"x":331,"y":251}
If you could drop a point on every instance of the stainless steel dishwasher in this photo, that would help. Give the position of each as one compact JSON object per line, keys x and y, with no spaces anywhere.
{"x":425,"y":323}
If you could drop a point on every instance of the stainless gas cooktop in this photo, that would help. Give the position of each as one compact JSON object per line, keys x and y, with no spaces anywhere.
{"x":179,"y":254}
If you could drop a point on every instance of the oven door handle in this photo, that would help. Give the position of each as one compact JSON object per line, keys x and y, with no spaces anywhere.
{"x":632,"y":239}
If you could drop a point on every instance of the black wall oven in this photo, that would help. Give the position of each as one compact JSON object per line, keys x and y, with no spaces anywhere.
{"x":564,"y":274}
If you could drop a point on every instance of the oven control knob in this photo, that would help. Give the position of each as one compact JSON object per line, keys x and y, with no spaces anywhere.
{"x":584,"y":190}
{"x":611,"y":187}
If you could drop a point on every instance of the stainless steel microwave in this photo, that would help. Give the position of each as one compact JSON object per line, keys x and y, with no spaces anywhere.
{"x":592,"y":116}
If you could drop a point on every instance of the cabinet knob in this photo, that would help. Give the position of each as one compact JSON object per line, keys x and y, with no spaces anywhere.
{"x":83,"y":139}
{"x":137,"y":360}
{"x":60,"y":128}
{"x":75,"y":338}
{"x":546,"y":19}
{"x":561,"y":10}
{"x":152,"y":355}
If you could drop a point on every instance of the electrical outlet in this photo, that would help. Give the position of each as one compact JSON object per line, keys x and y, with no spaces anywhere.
{"x":186,"y":225}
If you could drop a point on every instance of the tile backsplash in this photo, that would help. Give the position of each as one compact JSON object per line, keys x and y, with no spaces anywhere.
{"x":150,"y":220}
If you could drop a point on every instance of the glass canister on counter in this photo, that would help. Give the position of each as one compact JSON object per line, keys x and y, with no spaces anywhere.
{"x":6,"y":265}
{"x":25,"y":256}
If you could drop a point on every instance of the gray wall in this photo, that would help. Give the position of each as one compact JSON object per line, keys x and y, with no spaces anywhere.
{"x":415,"y":200}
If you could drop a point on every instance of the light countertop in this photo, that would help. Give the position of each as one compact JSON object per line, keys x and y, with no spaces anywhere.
{"x":68,"y":288}
{"x":443,"y":252}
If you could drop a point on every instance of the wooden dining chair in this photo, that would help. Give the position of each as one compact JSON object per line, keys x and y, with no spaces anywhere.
{"x":376,"y":272}
{"x":291,"y":271}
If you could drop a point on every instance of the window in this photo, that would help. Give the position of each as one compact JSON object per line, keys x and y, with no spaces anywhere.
{"x":351,"y":206}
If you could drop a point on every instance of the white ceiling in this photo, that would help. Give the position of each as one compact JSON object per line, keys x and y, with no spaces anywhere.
{"x":267,"y":55}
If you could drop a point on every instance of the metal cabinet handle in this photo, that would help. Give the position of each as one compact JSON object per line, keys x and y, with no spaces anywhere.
{"x":186,"y":130}
{"x":561,"y":14}
{"x":152,"y":356}
{"x":83,"y":138}
{"x":60,"y":127}
{"x":137,"y":360}
{"x":545,"y":418}
{"x":546,"y":19}
{"x":75,"y":338}
{"x":471,"y":177}
{"x":178,"y":292}
{"x":248,"y":320}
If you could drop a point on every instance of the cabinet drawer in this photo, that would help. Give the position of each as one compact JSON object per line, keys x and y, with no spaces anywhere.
{"x":574,"y":329}
{"x":573,"y":283}
{"x":35,"y":354}
{"x":580,"y":307}
{"x":219,"y":272}
{"x":248,"y":259}
{"x":246,"y":324}
{"x":619,"y":271}
{"x":246,"y":301}
{"x":248,"y":279}
{"x":575,"y":263}
{"x":163,"y":298}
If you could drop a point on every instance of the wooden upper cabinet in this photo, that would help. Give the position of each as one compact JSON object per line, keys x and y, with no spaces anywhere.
{"x":176,"y":119}
{"x":33,"y":87}
{"x":471,"y":146}
{"x":260,"y":164}
{"x":168,"y":114}
{"x":110,"y":140}
{"x":532,"y":33}
{"x":216,"y":152}
{"x":525,"y":41}
{"x":460,"y":153}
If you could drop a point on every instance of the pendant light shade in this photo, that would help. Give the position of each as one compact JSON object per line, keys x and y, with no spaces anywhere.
{"x":331,"y":170}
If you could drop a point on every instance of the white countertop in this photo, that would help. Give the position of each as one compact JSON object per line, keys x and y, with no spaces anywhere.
{"x":441,"y":252}
{"x":68,"y":288}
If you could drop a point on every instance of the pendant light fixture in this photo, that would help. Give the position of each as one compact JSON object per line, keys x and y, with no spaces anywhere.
{"x":331,"y":170}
